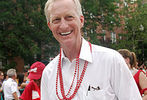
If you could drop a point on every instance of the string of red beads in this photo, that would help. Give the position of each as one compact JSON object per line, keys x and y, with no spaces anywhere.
{"x":79,"y":81}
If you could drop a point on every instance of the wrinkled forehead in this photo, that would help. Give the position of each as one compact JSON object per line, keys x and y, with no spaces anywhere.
{"x":56,"y":3}
{"x":67,"y":5}
{"x":49,"y":4}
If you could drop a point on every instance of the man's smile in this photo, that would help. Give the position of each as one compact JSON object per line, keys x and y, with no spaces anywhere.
{"x":66,"y":33}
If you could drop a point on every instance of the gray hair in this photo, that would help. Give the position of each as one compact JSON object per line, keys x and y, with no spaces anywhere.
{"x":49,"y":3}
{"x":11,"y":72}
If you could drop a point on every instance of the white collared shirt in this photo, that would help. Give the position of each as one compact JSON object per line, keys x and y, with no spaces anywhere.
{"x":9,"y":87}
{"x":107,"y":76}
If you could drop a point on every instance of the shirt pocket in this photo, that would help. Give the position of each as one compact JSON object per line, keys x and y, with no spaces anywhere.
{"x":96,"y":95}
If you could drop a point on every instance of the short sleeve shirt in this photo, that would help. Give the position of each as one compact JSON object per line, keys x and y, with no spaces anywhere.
{"x":9,"y":87}
{"x":31,"y":92}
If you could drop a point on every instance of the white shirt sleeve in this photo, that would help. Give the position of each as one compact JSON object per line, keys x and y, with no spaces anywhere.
{"x":14,"y":87}
{"x":48,"y":82}
{"x":123,"y":82}
{"x":44,"y":88}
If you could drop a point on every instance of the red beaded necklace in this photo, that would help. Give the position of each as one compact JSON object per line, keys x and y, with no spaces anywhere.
{"x":79,"y":81}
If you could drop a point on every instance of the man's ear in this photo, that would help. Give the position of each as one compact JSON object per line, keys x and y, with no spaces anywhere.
{"x":49,"y":25}
{"x":82,"y":21}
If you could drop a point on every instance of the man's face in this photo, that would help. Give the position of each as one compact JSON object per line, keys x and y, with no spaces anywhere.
{"x":15,"y":75}
{"x":2,"y":76}
{"x":65,"y":23}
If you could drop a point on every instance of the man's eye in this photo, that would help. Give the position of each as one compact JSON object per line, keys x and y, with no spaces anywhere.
{"x":56,"y":20}
{"x":69,"y":17}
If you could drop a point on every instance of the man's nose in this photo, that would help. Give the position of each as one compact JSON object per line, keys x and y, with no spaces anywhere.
{"x":63,"y":24}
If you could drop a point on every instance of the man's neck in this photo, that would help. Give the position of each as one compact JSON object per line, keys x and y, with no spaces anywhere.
{"x":13,"y":78}
{"x":73,"y":51}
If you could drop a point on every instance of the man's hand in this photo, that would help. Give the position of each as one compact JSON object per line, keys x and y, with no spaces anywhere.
{"x":15,"y":96}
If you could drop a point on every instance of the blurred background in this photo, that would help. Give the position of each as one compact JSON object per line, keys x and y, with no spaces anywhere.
{"x":26,"y":38}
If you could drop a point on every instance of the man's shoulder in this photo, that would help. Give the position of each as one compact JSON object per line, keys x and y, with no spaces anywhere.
{"x":102,"y":49}
{"x":8,"y":81}
{"x":53,"y":61}
{"x":106,"y":53}
{"x":51,"y":64}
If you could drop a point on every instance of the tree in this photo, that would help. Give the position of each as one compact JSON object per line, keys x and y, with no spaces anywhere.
{"x":135,"y":39}
{"x":99,"y":13}
{"x":129,"y":14}
{"x":137,"y":28}
{"x":23,"y":30}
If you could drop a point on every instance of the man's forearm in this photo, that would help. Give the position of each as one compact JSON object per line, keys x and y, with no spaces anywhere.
{"x":15,"y":96}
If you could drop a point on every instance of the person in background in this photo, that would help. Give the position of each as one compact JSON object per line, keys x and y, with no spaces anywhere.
{"x":145,"y":68}
{"x":5,"y":76}
{"x":139,"y":75}
{"x":1,"y":90}
{"x":1,"y":78}
{"x":20,"y":77}
{"x":82,"y":71}
{"x":10,"y":86}
{"x":32,"y":90}
{"x":1,"y":82}
{"x":26,"y":80}
{"x":142,"y":67}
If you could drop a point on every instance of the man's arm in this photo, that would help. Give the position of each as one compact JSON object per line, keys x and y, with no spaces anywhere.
{"x":122,"y":80}
{"x":15,"y":96}
{"x":44,"y":89}
{"x":1,"y":89}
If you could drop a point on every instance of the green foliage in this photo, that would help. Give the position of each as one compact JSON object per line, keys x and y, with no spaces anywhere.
{"x":137,"y":28}
{"x":23,"y":29}
{"x":106,"y":14}
{"x":99,"y":12}
{"x":9,"y":66}
{"x":136,"y":37}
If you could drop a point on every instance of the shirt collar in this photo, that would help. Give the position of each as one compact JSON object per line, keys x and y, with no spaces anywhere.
{"x":85,"y":52}
{"x":10,"y":79}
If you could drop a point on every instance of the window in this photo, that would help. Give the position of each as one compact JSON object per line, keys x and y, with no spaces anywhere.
{"x":113,"y":37}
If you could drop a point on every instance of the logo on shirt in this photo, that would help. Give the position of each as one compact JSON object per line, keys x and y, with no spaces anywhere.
{"x":35,"y":95}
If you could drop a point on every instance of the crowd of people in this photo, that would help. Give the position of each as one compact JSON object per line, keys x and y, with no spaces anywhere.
{"x":22,"y":86}
{"x":82,"y":70}
{"x":27,"y":86}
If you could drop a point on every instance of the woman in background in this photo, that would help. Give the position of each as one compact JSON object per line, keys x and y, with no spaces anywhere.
{"x":139,"y":75}
{"x":32,"y":90}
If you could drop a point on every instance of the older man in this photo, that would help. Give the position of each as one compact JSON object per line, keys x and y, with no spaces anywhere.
{"x":10,"y":86}
{"x":82,"y":71}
